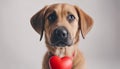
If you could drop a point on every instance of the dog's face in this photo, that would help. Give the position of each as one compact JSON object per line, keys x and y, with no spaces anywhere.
{"x":61,"y":24}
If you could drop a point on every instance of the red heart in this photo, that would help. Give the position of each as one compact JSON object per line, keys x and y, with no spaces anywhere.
{"x":56,"y":62}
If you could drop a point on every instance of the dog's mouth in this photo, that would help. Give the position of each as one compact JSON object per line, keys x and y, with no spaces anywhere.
{"x":61,"y":43}
{"x":61,"y":37}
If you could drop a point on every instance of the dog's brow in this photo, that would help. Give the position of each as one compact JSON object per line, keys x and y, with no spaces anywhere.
{"x":69,"y":12}
{"x":49,"y":11}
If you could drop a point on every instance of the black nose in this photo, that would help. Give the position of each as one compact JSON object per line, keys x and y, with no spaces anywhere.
{"x":61,"y":37}
{"x":60,"y":33}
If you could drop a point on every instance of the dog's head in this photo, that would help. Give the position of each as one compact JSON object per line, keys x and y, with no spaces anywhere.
{"x":61,"y":24}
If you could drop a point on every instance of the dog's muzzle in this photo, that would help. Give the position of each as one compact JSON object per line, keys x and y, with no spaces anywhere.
{"x":61,"y":37}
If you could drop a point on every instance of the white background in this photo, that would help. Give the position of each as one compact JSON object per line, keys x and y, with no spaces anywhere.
{"x":20,"y":47}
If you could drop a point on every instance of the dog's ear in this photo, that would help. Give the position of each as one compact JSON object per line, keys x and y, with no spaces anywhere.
{"x":85,"y":22}
{"x":38,"y":21}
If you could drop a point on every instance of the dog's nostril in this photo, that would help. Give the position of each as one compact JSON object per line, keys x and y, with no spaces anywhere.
{"x":64,"y":34}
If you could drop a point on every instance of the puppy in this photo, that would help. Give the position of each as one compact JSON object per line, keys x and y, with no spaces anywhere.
{"x":61,"y":24}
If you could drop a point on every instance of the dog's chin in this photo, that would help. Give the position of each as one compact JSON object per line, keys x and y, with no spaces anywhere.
{"x":63,"y":51}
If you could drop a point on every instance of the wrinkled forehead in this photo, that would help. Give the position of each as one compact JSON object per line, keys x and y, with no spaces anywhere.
{"x":61,"y":8}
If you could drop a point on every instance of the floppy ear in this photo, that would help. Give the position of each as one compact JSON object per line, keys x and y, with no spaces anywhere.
{"x":38,"y":21}
{"x":85,"y":22}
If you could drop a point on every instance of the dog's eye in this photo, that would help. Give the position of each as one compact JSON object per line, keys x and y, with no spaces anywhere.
{"x":70,"y":17}
{"x":52,"y":17}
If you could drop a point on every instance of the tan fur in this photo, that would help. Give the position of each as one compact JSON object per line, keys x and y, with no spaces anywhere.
{"x":82,"y":23}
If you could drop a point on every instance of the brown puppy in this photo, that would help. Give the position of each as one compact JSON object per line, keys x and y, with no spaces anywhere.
{"x":62,"y":24}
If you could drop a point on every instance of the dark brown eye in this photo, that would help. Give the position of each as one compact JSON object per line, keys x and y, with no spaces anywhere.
{"x":70,"y":18}
{"x":52,"y":17}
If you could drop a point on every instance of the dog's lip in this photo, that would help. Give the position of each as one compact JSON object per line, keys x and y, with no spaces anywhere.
{"x":62,"y":44}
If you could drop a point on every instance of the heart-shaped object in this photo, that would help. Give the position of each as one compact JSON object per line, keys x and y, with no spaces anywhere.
{"x":56,"y":62}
